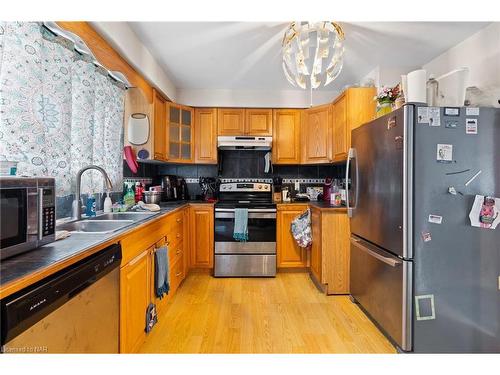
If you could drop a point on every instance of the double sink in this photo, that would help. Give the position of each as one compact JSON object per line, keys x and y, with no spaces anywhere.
{"x":105,"y":223}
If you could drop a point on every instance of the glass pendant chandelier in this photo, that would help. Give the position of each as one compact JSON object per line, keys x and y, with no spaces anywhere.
{"x":312,"y":53}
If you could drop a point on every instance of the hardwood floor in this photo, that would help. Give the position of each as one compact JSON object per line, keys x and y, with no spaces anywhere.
{"x":286,"y":314}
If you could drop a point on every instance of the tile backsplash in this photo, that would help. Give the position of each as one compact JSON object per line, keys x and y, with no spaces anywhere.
{"x":242,"y":164}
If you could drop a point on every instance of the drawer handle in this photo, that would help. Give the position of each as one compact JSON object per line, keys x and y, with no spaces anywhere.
{"x":178,"y":235}
{"x":178,"y":274}
{"x":178,"y":219}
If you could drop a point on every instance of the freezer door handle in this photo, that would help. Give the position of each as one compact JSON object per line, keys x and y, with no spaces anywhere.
{"x":350,"y":155}
{"x":375,"y":253}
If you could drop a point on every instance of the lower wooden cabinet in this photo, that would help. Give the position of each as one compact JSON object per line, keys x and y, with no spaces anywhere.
{"x":317,"y":246}
{"x":201,"y":226}
{"x":330,"y":250}
{"x":289,"y":254}
{"x":135,"y":287}
{"x":137,"y":284}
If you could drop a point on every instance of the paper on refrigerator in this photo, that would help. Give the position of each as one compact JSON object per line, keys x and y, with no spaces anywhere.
{"x":485,"y":212}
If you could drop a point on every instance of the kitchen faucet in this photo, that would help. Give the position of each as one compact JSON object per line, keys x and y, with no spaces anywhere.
{"x":76,"y":208}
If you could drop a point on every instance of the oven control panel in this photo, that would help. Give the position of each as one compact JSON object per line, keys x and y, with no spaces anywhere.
{"x":245,"y":187}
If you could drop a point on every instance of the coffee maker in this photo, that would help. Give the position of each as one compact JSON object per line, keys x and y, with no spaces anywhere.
{"x":170,"y":184}
{"x":327,"y":189}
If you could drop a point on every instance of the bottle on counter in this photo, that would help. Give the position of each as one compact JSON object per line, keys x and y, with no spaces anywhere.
{"x":139,"y":191}
{"x":129,"y":197}
{"x":91,"y":206}
{"x":107,"y":203}
{"x":335,"y":197}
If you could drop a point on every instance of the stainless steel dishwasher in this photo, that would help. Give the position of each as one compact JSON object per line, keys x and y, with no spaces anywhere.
{"x":74,"y":311}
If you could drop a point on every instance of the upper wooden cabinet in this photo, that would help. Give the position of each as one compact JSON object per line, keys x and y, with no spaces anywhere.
{"x":316,"y":131}
{"x":241,"y":121}
{"x":231,"y":121}
{"x":259,"y":122}
{"x":180,"y":133}
{"x":205,"y":135}
{"x":340,"y":130}
{"x":286,"y":136}
{"x":159,"y":127}
{"x":354,"y":107}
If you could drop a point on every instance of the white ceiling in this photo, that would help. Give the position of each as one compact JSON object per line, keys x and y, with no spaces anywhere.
{"x":247,"y":55}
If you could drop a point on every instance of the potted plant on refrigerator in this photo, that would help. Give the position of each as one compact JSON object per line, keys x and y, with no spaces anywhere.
{"x":386,"y":98}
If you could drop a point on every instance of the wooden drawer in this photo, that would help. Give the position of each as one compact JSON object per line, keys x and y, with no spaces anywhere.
{"x":135,"y":243}
{"x":175,"y":252}
{"x":177,"y":274}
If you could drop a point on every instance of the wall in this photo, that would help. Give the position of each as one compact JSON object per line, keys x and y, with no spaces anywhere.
{"x":480,"y":53}
{"x":253,"y":98}
{"x":125,"y":41}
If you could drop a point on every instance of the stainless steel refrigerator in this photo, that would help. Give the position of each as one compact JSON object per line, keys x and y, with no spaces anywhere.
{"x":423,"y":274}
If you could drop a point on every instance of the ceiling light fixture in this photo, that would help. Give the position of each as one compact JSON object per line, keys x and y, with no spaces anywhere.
{"x":312,"y":53}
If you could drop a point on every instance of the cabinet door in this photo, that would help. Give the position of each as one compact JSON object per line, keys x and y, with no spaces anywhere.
{"x":180,"y":133}
{"x":316,"y":260}
{"x":259,"y":122}
{"x":316,"y":132}
{"x":340,"y":147}
{"x":286,"y":136}
{"x":202,"y":240}
{"x":290,"y":255}
{"x":205,"y":130}
{"x":160,"y":303}
{"x":134,"y":300}
{"x":230,"y":121}
{"x":160,"y":127}
{"x":187,"y":135}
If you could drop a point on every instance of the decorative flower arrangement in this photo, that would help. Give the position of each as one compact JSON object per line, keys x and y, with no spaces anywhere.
{"x":386,"y":98}
{"x":387,"y":94}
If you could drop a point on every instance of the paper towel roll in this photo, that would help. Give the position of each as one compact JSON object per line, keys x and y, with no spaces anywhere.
{"x":404,"y":86}
{"x":416,"y":86}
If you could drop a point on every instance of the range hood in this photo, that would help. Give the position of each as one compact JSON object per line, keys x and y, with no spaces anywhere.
{"x":244,"y":143}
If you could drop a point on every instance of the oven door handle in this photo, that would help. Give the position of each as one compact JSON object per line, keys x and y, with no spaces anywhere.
{"x":251,"y":215}
{"x":249,"y":210}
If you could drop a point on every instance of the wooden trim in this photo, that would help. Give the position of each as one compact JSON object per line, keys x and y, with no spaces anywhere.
{"x":107,"y":55}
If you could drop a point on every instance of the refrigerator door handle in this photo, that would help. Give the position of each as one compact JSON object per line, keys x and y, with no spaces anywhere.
{"x":390,"y":261}
{"x":350,"y":155}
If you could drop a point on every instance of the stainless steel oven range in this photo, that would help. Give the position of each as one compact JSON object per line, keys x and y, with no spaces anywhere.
{"x":257,"y":256}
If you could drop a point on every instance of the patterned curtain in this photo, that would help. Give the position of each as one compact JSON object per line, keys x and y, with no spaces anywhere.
{"x":58,"y":111}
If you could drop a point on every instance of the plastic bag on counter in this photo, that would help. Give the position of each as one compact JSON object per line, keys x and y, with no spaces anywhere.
{"x":301,"y":229}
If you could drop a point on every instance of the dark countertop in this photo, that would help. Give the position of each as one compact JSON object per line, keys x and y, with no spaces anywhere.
{"x":320,"y":204}
{"x":38,"y":261}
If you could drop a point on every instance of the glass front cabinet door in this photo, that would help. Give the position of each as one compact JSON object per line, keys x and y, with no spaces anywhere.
{"x":180,"y":133}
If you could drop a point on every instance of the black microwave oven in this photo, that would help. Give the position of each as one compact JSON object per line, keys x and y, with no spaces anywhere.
{"x":27,"y":214}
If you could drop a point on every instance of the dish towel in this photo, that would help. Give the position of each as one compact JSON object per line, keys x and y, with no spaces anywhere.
{"x":162,"y":274}
{"x":240,"y":232}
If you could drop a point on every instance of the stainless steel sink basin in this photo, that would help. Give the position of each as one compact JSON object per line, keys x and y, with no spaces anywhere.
{"x":95,"y":226}
{"x":134,"y":216}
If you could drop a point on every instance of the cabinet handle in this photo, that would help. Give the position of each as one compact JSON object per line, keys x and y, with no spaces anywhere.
{"x":178,"y":219}
{"x":178,"y":252}
{"x":178,"y":274}
{"x":178,"y":235}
